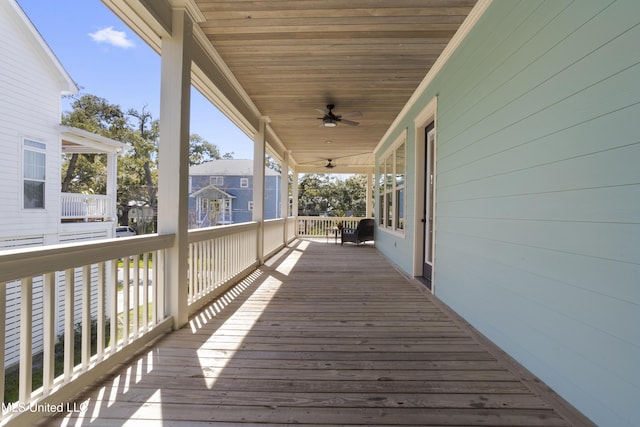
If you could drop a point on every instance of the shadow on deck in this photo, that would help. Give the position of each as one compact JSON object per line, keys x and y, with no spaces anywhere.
{"x":322,"y":334}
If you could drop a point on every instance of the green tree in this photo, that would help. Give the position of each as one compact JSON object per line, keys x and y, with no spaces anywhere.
{"x":201,"y":150}
{"x":312,"y":198}
{"x":354,"y":196}
{"x":86,"y":173}
{"x":322,"y":194}
{"x":145,"y":150}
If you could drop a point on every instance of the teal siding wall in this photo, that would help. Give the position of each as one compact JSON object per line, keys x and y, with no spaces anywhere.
{"x":538,"y":194}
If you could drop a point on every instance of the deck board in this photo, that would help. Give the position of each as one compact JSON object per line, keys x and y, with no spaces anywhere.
{"x":321,"y":335}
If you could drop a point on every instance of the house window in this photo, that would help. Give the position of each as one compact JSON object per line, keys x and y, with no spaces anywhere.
{"x":216,"y":180}
{"x":250,"y":205}
{"x":244,"y":182}
{"x":399,"y":186}
{"x":381,"y":194}
{"x":391,"y":187}
{"x":388,"y":191}
{"x":33,"y":177}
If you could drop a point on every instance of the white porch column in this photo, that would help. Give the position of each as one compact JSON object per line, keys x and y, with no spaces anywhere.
{"x":259,"y":143}
{"x":284,"y":194}
{"x":173,"y":160}
{"x":294,"y":192}
{"x":284,"y":186}
{"x":294,"y":195}
{"x":112,"y":179}
{"x":369,"y":200}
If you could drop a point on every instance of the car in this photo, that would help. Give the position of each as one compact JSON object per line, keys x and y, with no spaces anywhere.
{"x":125,"y":231}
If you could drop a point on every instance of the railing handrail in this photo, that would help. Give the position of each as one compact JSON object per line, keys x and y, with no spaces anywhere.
{"x":200,"y":234}
{"x":15,"y":265}
{"x":274,"y":220}
{"x":333,"y":218}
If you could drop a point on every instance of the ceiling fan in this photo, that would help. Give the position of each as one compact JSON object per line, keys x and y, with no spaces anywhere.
{"x":329,"y":119}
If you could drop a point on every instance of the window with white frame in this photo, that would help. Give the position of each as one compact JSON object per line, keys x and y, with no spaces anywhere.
{"x":244,"y":182}
{"x":33,"y":174}
{"x":391,"y":187}
{"x":400,"y":162}
{"x":216,"y":180}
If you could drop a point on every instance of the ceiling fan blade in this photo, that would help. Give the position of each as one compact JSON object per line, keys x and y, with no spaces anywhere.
{"x":321,"y":111}
{"x":352,"y":114}
{"x":349,"y":122}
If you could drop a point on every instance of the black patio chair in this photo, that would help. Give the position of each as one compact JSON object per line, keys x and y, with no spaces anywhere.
{"x":362,"y":233}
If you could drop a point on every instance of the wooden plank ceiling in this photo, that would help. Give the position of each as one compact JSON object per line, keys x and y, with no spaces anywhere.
{"x":366,"y":56}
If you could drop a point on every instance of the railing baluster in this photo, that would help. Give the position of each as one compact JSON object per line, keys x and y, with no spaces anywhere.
{"x":26,"y":322}
{"x":69,"y":331}
{"x":49,"y":318}
{"x":192,"y":269}
{"x":154,"y":289}
{"x":86,"y":316}
{"x":200,"y":265}
{"x":100,"y":312}
{"x":136,"y":296}
{"x":201,"y":270}
{"x":210,"y":266}
{"x":125,"y":299}
{"x":160,"y":309}
{"x":113,"y":318}
{"x":145,"y":291}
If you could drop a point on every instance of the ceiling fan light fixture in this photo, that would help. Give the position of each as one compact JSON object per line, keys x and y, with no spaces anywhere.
{"x":331,"y":120}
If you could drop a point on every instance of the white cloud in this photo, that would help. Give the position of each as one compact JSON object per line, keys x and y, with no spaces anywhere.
{"x":110,"y":36}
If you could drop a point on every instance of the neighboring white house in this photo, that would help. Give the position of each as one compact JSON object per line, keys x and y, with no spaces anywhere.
{"x":33,"y":211}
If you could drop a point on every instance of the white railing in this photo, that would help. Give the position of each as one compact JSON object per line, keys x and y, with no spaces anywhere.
{"x":322,"y":226}
{"x":120,"y":283}
{"x":129,"y":283}
{"x":86,"y":206}
{"x":218,"y":257}
{"x":273,"y":236}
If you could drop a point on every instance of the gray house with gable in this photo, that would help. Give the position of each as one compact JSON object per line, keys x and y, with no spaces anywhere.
{"x":221,"y":192}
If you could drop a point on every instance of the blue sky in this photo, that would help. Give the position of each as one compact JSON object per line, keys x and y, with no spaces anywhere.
{"x":108,"y":60}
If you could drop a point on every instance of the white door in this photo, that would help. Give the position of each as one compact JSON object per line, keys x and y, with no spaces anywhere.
{"x":429,"y":211}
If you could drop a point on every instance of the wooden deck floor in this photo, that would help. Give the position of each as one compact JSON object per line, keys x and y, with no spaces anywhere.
{"x":323,"y":335}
